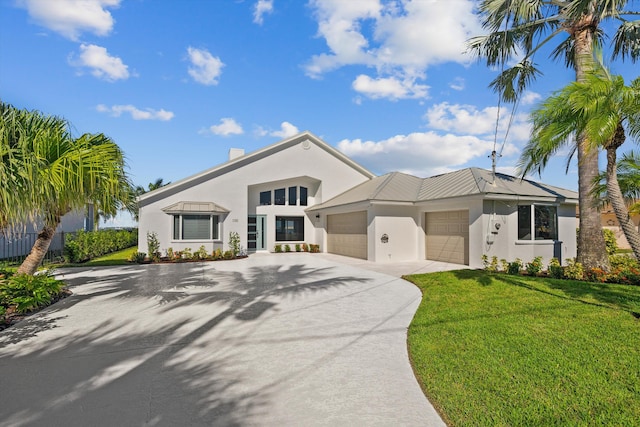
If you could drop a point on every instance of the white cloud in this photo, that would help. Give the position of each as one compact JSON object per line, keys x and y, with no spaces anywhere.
{"x":419,"y":153}
{"x":205,"y":68}
{"x":286,"y":130}
{"x":70,"y":18}
{"x":136,"y":114}
{"x":457,"y":84}
{"x":390,"y":87}
{"x":261,"y":8}
{"x":469,"y":120}
{"x":102,"y":65}
{"x":227,"y":126}
{"x":529,"y":98}
{"x":403,"y":40}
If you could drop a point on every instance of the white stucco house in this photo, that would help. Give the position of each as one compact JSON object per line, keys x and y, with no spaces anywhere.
{"x":302,"y":190}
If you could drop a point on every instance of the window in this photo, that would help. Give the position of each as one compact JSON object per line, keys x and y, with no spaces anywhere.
{"x":196,"y":227}
{"x":303,"y":196}
{"x":278,"y":196}
{"x":265,"y":198}
{"x":289,"y":228}
{"x":542,"y":219}
{"x":293,"y":196}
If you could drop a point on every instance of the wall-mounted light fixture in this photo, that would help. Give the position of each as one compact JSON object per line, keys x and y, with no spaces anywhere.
{"x":384,"y":238}
{"x":318,"y":216}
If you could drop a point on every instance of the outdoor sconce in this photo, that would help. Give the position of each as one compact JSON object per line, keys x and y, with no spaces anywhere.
{"x":384,"y":238}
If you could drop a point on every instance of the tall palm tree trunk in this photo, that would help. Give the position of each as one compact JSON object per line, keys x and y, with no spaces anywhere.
{"x":38,"y":251}
{"x":592,"y":250}
{"x":617,"y":203}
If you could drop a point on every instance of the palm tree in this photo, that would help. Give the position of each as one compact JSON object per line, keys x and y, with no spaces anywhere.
{"x":46,"y":173}
{"x":628,"y":168}
{"x":602,"y":109}
{"x":519,"y":29}
{"x":139,"y":190}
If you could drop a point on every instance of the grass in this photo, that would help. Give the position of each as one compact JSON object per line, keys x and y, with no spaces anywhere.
{"x":494,"y":349}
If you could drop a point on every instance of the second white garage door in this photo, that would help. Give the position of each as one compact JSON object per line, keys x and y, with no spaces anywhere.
{"x":448,"y":236}
{"x":347,"y":234}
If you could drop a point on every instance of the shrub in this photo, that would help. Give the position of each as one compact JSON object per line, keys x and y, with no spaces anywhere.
{"x":314,"y":248}
{"x":201,"y":253}
{"x":153,"y":246}
{"x":490,"y":264}
{"x":504,"y":265}
{"x":170,"y":253}
{"x":535,"y":266}
{"x":554,"y":269}
{"x":186,"y":253}
{"x":305,"y":247}
{"x":228,"y":255}
{"x":85,"y":245}
{"x":595,"y":275}
{"x":298,"y":247}
{"x":514,"y":267}
{"x":287,"y":248}
{"x":216,"y":254}
{"x":234,"y":243}
{"x":610,"y":241}
{"x":624,"y":269}
{"x":137,"y":257}
{"x":573,"y":270}
{"x":28,"y":292}
{"x":278,"y":248}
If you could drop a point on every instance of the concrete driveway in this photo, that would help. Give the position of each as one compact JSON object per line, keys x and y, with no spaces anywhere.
{"x":272,"y":340}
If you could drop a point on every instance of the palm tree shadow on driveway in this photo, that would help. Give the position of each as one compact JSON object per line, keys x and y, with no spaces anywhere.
{"x":137,"y":345}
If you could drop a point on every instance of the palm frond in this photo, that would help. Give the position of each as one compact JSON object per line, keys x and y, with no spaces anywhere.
{"x":626,"y":41}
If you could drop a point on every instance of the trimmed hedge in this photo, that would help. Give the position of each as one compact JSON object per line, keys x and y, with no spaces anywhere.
{"x":85,"y":245}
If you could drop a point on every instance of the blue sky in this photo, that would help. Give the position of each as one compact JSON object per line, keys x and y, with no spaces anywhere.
{"x":178,"y":83}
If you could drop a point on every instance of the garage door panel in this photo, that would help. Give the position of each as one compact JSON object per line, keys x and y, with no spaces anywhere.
{"x":347,"y":234}
{"x":447,"y":236}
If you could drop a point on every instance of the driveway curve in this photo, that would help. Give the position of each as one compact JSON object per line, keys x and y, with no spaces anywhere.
{"x":271,"y":340}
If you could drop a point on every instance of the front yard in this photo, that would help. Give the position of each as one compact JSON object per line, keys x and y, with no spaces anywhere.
{"x":495,"y":349}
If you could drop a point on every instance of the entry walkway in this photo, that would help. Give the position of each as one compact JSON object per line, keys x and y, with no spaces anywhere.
{"x":396,"y":269}
{"x":271,"y":340}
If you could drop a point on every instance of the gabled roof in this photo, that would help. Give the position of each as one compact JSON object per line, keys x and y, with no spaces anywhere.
{"x":249,"y":158}
{"x":398,"y":187}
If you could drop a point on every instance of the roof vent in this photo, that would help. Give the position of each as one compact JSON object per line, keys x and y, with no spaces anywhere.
{"x":234,"y":153}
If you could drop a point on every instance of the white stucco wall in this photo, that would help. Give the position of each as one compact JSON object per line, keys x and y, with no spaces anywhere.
{"x":505,"y":244}
{"x":400,"y":225}
{"x":236,"y":187}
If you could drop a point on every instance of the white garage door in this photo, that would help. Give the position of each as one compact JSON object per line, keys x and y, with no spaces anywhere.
{"x":347,"y":234}
{"x":448,"y":236}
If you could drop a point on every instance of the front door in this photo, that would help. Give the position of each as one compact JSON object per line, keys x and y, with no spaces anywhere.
{"x":256,"y":233}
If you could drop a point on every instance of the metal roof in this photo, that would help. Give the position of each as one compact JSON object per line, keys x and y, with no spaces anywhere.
{"x":194,"y":207}
{"x":400,"y":187}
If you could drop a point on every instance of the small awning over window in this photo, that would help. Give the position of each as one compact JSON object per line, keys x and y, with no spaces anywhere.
{"x":194,"y":207}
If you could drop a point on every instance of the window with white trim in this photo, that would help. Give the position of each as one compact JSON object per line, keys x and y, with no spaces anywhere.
{"x":541,"y":219}
{"x":196,"y":227}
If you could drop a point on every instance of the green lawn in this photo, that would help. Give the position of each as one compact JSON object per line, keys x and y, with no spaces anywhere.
{"x":492,"y":349}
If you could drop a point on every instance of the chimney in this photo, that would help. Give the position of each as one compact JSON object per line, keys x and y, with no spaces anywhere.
{"x":234,"y":153}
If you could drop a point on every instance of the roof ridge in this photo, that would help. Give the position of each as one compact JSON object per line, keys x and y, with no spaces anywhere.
{"x":384,"y":183}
